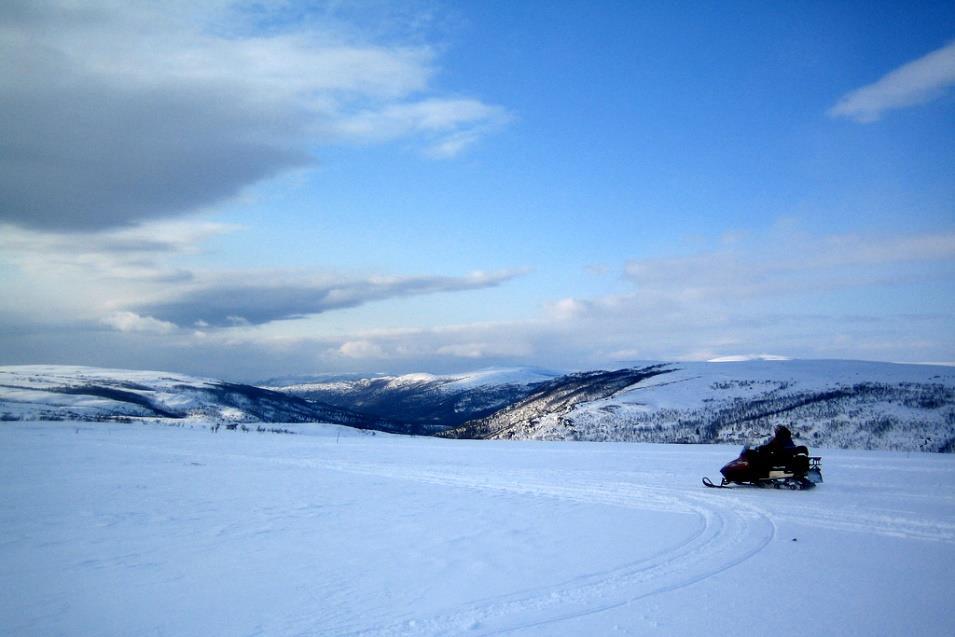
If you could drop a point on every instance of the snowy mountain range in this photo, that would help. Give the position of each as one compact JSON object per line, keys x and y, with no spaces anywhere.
{"x":58,"y":392}
{"x":426,"y":402}
{"x":848,"y":404}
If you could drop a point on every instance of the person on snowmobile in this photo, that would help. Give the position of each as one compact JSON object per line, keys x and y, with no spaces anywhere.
{"x":778,"y":462}
{"x":782,"y":439}
{"x":777,"y":450}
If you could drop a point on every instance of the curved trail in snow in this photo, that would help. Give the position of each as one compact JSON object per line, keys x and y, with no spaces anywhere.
{"x":729,"y":532}
{"x":887,"y":523}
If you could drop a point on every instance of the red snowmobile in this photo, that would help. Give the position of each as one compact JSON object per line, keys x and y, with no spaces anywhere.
{"x":764,"y":466}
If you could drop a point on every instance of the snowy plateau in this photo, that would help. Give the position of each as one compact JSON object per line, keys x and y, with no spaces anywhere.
{"x":111,"y":529}
{"x":115,"y":523}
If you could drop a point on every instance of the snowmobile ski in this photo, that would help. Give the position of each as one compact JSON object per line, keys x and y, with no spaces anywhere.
{"x":794,"y":484}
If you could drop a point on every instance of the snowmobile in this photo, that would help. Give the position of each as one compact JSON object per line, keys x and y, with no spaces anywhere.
{"x":791,"y":468}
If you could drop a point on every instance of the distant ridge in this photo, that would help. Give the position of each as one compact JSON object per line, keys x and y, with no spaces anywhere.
{"x":53,"y":392}
{"x":425,"y":402}
{"x":848,"y":404}
{"x":553,"y":399}
{"x":828,"y":403}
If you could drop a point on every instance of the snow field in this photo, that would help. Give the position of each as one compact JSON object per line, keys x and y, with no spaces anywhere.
{"x":147,"y":529}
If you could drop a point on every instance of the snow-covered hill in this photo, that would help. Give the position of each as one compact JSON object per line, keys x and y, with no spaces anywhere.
{"x":847,"y":404}
{"x":552,"y":401}
{"x":58,"y":392}
{"x":426,"y":401}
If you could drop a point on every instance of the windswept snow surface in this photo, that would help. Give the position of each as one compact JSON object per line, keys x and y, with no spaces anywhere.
{"x":112,"y":529}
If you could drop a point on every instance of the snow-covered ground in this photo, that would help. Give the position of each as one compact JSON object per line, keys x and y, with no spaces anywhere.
{"x":110,"y":529}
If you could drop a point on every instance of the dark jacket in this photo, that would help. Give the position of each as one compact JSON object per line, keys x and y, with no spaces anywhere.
{"x":783,"y":439}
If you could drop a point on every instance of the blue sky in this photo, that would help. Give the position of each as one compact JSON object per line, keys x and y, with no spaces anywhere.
{"x":245,"y":190}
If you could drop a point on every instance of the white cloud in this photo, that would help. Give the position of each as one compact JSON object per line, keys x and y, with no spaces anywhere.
{"x":793,"y":264}
{"x":855,"y":249}
{"x":132,"y":322}
{"x":486,"y":349}
{"x":569,"y":308}
{"x":917,"y":82}
{"x":140,"y":252}
{"x":765,"y":296}
{"x":765,"y":293}
{"x":81,"y":277}
{"x":431,"y":115}
{"x":361,"y":349}
{"x":141,"y":279}
{"x":114,"y":113}
{"x":449,"y":124}
{"x":449,"y":146}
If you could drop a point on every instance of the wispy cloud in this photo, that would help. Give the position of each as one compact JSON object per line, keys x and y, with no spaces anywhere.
{"x":227,"y":303}
{"x":83,"y":277}
{"x":476,"y":344}
{"x":139,"y":290}
{"x":450,"y":125}
{"x":783,"y":266}
{"x":145,"y":280}
{"x":917,"y":82}
{"x":144,"y":252}
{"x":114,"y":113}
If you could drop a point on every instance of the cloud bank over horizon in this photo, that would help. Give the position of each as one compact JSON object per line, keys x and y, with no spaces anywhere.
{"x":723,"y":302}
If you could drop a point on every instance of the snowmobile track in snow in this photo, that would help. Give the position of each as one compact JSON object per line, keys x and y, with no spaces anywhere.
{"x":728,"y":534}
{"x":732,"y":527}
